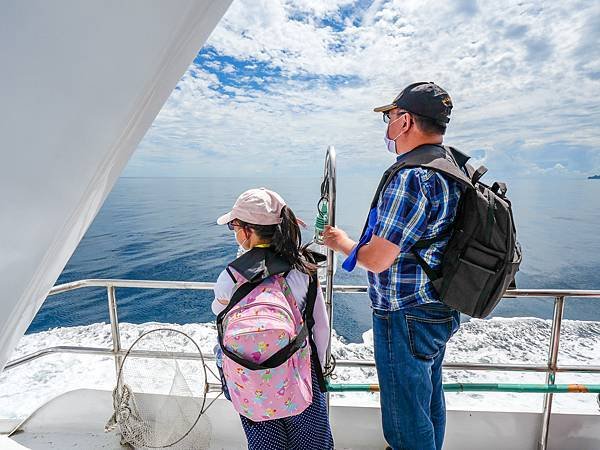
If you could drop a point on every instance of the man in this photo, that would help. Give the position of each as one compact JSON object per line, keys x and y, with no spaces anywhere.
{"x":410,"y":324}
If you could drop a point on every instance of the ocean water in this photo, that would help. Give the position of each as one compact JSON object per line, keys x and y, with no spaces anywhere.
{"x":497,"y":340}
{"x":164,"y":229}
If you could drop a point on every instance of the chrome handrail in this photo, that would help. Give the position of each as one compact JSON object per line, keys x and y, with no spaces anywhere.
{"x":102,"y":351}
{"x":551,"y":369}
{"x":119,"y":283}
{"x":329,"y":176}
{"x":353,"y":363}
{"x":341,"y":288}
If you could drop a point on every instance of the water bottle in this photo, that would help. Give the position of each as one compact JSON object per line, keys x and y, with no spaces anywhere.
{"x":317,"y":245}
{"x":320,"y":223}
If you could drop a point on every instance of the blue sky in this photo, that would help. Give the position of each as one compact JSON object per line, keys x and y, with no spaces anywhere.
{"x":279,"y":80}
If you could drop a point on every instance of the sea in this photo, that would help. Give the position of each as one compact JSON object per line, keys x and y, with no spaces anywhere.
{"x":165,"y":229}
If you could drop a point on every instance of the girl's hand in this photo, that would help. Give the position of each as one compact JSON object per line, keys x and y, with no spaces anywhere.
{"x":337,"y":239}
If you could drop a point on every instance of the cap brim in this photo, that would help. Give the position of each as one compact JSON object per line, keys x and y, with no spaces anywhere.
{"x":225,"y":218}
{"x":385,"y":108}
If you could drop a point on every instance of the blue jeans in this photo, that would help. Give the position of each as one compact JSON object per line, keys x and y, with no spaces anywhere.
{"x":409,"y":350}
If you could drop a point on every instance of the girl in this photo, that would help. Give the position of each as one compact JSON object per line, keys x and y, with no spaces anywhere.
{"x":264,"y":226}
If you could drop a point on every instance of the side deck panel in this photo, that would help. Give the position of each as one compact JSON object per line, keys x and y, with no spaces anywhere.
{"x":76,"y":420}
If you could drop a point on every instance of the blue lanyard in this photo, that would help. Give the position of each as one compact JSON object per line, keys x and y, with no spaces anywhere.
{"x":350,"y":262}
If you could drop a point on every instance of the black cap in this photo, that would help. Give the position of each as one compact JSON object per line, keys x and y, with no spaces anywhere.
{"x":425,"y":99}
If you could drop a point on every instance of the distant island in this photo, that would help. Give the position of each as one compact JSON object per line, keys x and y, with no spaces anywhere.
{"x":594,"y":177}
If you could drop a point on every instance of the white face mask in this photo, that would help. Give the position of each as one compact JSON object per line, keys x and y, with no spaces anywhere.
{"x":241,"y":250}
{"x":391,"y":143}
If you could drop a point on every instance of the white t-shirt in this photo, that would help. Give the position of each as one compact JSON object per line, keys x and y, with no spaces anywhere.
{"x":298,"y":283}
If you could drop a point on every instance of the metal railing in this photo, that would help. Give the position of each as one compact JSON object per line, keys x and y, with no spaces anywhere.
{"x":551,"y":368}
{"x":329,"y":180}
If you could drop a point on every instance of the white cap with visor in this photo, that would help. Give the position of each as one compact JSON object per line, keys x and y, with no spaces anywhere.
{"x":256,"y":206}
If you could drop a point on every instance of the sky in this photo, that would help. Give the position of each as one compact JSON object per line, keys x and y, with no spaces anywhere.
{"x":280,"y":80}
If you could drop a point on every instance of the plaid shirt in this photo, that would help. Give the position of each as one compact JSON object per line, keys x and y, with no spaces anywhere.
{"x":417,"y":204}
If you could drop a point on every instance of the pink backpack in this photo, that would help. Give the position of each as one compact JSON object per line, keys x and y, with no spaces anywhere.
{"x":267,"y":356}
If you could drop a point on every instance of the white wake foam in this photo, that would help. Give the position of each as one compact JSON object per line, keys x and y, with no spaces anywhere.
{"x":498,"y":340}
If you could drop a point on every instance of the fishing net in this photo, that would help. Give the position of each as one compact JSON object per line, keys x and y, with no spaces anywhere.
{"x":160,"y":399}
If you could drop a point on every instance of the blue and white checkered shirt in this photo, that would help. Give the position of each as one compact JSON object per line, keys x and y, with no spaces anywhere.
{"x":417,"y":204}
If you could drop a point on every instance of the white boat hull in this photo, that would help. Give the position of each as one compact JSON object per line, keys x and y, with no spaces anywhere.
{"x":82,"y":81}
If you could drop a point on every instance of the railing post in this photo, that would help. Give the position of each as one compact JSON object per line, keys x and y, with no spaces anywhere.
{"x":330,"y":164}
{"x":114,"y":327}
{"x":559,"y":303}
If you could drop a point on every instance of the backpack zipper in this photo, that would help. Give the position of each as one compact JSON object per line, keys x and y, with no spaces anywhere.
{"x":290,"y":316}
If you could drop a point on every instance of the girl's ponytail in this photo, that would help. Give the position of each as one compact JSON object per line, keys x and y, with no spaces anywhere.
{"x":286,"y":240}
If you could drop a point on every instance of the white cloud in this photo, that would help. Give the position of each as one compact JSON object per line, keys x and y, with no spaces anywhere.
{"x":228,"y":68}
{"x":524,"y":76}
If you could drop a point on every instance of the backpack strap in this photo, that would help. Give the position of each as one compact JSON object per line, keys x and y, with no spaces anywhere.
{"x":309,"y":320}
{"x":385,"y":181}
{"x":431,"y":273}
{"x":367,"y":233}
{"x":259,"y":263}
{"x":447,"y":160}
{"x":443,"y":159}
{"x":231,"y":275}
{"x":455,"y":166}
{"x":274,"y":360}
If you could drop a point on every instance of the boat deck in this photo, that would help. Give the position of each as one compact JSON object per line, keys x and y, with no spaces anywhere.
{"x":76,"y":420}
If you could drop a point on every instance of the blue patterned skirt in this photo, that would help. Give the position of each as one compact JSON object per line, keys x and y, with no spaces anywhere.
{"x":308,"y":430}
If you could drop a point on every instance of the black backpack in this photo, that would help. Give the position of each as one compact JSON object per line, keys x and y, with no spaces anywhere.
{"x":482,"y":256}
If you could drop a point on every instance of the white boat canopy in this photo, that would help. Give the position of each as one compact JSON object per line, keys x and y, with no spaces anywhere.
{"x":81,"y":83}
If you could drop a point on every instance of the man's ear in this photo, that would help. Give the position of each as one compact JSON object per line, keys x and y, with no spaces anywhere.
{"x":408,"y":123}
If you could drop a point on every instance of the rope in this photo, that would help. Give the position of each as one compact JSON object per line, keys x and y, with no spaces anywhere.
{"x":127,"y":416}
{"x":330,"y":368}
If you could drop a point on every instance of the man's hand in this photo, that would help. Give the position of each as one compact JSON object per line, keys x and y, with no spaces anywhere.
{"x":337,"y":240}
